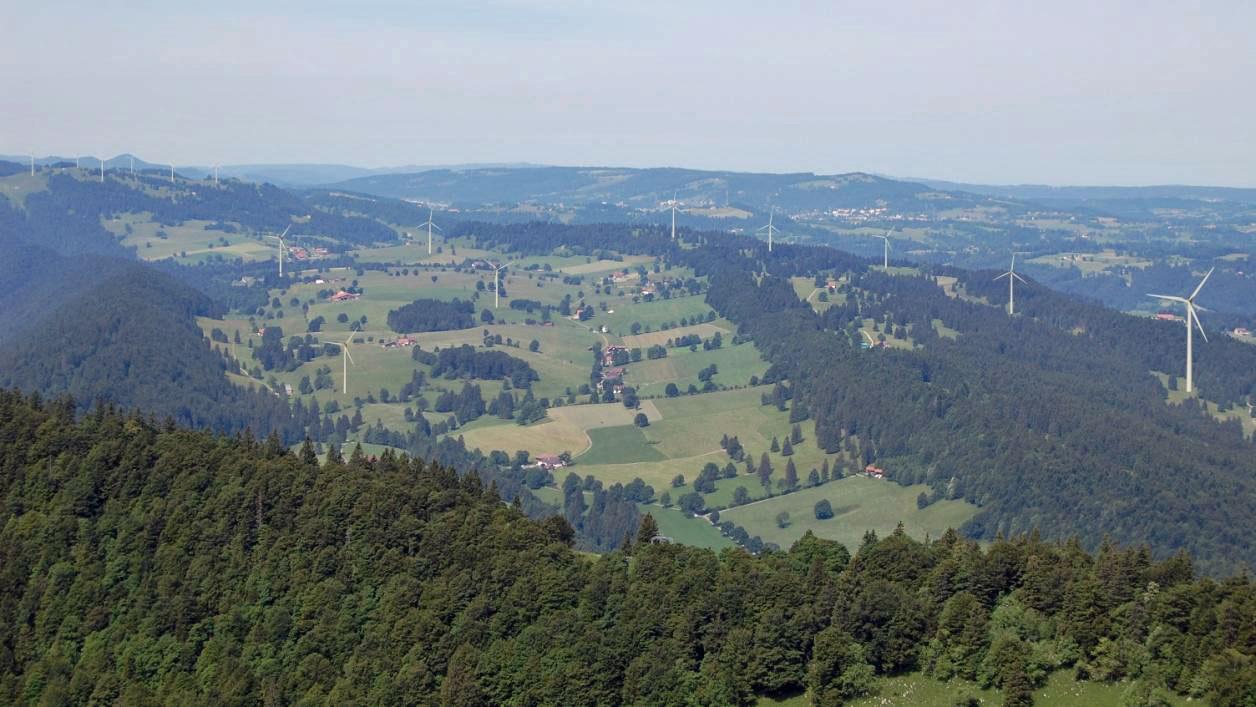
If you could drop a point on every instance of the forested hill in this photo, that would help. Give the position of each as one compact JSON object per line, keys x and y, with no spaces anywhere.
{"x":142,"y":565}
{"x":66,"y":210}
{"x":650,"y":187}
{"x":129,"y":338}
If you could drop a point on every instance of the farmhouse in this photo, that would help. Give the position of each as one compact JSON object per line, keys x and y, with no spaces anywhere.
{"x":608,"y":353}
{"x":1167,"y":317}
{"x":1242,"y":331}
{"x":550,"y":461}
{"x":875,"y":472}
{"x":344,"y":296}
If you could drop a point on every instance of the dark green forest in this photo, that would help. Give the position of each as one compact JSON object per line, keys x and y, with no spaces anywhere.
{"x":146,"y":564}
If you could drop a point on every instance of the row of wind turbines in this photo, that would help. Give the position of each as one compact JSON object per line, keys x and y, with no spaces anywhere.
{"x":1192,"y":314}
{"x":102,"y":162}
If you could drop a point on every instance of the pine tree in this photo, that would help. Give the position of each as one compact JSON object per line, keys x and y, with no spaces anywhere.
{"x":791,"y":475}
{"x":647,"y":530}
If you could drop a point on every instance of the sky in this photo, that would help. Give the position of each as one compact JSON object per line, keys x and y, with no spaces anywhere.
{"x":1064,"y":92}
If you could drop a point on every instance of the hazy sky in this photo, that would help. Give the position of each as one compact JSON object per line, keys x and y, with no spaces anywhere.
{"x":1095,"y":92}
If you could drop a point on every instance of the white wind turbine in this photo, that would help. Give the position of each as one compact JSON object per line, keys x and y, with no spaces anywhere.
{"x":348,"y":358}
{"x":769,"y":228}
{"x":282,"y":247}
{"x":1012,"y":277}
{"x":102,"y":170}
{"x":885,"y":258}
{"x":430,"y":226}
{"x":1192,"y":316}
{"x":32,"y":165}
{"x":497,"y":284}
{"x":172,"y":174}
{"x":673,"y":216}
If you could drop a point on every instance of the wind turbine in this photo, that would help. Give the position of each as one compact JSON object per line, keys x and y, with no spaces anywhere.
{"x":497,"y":284}
{"x":769,"y":228}
{"x":215,"y":175}
{"x":430,"y":226}
{"x":1191,"y":316}
{"x":346,"y":360}
{"x":673,"y":216}
{"x":1012,"y":277}
{"x":172,"y":174}
{"x":102,"y":170}
{"x":282,"y":247}
{"x":132,"y":165}
{"x":32,"y":165}
{"x":885,"y":261}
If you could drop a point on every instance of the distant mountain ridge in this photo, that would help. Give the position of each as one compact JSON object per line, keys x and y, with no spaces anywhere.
{"x":291,"y":174}
{"x":1049,"y":193}
{"x":801,"y":191}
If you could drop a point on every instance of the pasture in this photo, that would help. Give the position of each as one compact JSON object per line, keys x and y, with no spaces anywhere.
{"x":859,"y":504}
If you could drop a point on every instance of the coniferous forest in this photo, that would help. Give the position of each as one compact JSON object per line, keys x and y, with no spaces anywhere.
{"x":144,"y":564}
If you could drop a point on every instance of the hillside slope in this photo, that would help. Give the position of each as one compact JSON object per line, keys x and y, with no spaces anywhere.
{"x":131,"y":339}
{"x":146,"y":566}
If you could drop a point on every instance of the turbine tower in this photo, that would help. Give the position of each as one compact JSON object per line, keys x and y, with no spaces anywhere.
{"x":1012,"y":277}
{"x":769,"y":228}
{"x":282,"y":247}
{"x":172,"y":174}
{"x":32,"y":165}
{"x":885,"y":258}
{"x":102,"y":170}
{"x":430,"y":226}
{"x":673,"y":216}
{"x":215,"y":175}
{"x":1192,"y":316}
{"x":132,"y":165}
{"x":497,"y":284}
{"x":346,"y":361}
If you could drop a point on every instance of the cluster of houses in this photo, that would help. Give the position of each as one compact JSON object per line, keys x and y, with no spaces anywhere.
{"x":300,"y":253}
{"x":400,"y":342}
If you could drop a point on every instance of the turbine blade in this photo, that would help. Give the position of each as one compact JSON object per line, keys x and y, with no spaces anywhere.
{"x":1195,"y":315}
{"x":1018,"y":277}
{"x":1003,"y":276}
{"x":1201,"y":284}
{"x":1171,"y":298}
{"x":437,"y":228}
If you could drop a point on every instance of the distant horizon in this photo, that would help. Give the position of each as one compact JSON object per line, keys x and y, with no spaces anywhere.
{"x":411,"y":168}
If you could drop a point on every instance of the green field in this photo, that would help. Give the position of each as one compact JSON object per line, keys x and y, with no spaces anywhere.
{"x":736,"y":365}
{"x":694,"y":531}
{"x":860,"y":504}
{"x":619,"y":445}
{"x":1061,"y":690}
{"x":188,"y":241}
